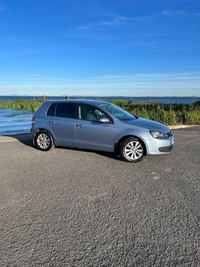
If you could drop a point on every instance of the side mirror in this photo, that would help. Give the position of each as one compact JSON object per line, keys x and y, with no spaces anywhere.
{"x":104,"y":120}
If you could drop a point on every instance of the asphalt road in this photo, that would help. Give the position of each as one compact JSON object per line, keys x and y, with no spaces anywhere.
{"x":77,"y":208}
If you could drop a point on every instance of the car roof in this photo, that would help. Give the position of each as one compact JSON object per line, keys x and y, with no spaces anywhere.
{"x":81,"y":101}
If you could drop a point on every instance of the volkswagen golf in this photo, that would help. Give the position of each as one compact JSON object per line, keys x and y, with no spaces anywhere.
{"x":100,"y":126}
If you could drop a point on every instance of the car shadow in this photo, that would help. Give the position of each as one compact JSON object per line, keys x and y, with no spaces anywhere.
{"x":25,"y":139}
{"x":110,"y":155}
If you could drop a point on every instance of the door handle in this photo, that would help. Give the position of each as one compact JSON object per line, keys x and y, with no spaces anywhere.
{"x":52,"y":122}
{"x":80,"y":125}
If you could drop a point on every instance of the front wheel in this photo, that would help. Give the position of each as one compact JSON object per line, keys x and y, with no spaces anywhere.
{"x":132,"y":149}
{"x":43,"y":140}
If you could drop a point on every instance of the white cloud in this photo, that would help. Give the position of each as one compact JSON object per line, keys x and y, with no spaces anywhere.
{"x":173,"y":13}
{"x":122,"y":18}
{"x":172,"y":84}
{"x":114,"y":22}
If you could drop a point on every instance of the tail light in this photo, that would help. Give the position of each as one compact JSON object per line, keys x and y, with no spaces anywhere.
{"x":33,"y":119}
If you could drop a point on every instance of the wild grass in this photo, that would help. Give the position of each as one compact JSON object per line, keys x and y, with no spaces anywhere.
{"x":30,"y":106}
{"x":169,"y":114}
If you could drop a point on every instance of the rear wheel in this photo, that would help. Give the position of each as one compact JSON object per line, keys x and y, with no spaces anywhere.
{"x":132,"y":149}
{"x":43,"y":140}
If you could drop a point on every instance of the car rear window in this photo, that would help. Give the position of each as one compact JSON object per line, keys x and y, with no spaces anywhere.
{"x":51,"y":110}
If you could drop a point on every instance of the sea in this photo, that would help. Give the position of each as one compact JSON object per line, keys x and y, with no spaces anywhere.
{"x":16,"y":121}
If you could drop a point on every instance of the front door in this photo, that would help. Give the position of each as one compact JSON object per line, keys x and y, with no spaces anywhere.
{"x":90,"y":132}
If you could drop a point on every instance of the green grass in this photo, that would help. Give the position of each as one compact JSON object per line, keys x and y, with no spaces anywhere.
{"x":30,"y":106}
{"x":169,"y":114}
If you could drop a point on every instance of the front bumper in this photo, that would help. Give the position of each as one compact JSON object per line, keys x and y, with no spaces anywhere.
{"x":166,"y":148}
{"x":160,"y":146}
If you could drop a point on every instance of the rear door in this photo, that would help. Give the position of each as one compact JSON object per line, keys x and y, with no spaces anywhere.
{"x":61,"y":119}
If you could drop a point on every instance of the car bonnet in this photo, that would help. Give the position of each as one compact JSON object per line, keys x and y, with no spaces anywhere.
{"x":149,"y":124}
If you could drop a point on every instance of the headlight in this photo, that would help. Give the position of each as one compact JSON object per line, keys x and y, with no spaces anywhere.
{"x":158,"y":135}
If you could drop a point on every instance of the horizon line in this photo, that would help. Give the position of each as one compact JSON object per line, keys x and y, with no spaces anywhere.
{"x":118,"y":96}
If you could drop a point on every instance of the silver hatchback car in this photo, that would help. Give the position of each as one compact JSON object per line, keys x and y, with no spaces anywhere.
{"x":101,"y":126}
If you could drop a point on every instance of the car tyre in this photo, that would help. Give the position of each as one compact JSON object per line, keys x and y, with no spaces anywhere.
{"x":43,"y":140}
{"x":132,"y":149}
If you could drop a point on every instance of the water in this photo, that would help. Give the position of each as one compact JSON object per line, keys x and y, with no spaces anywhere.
{"x":19,"y":121}
{"x":167,"y":100}
{"x":14,"y":121}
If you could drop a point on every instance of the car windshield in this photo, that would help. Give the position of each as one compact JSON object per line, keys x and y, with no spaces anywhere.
{"x":117,"y":112}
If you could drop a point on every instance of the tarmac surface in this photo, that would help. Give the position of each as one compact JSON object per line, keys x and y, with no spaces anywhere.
{"x":70,"y":207}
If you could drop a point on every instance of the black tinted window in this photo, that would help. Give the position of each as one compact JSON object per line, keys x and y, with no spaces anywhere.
{"x":66,"y":110}
{"x":51,"y":110}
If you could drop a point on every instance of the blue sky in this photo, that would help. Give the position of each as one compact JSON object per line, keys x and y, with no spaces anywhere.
{"x":100,"y":47}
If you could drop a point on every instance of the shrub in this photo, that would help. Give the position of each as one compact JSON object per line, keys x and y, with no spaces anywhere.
{"x":168,"y":114}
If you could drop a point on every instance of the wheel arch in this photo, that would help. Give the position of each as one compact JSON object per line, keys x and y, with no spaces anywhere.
{"x":117,"y":145}
{"x":43,"y":129}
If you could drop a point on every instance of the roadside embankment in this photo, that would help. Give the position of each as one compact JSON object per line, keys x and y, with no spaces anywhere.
{"x":13,"y":138}
{"x":173,"y":127}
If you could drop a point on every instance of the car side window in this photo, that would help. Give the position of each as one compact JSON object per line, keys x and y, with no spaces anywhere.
{"x":65,"y":110}
{"x":51,"y":110}
{"x":90,"y":113}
